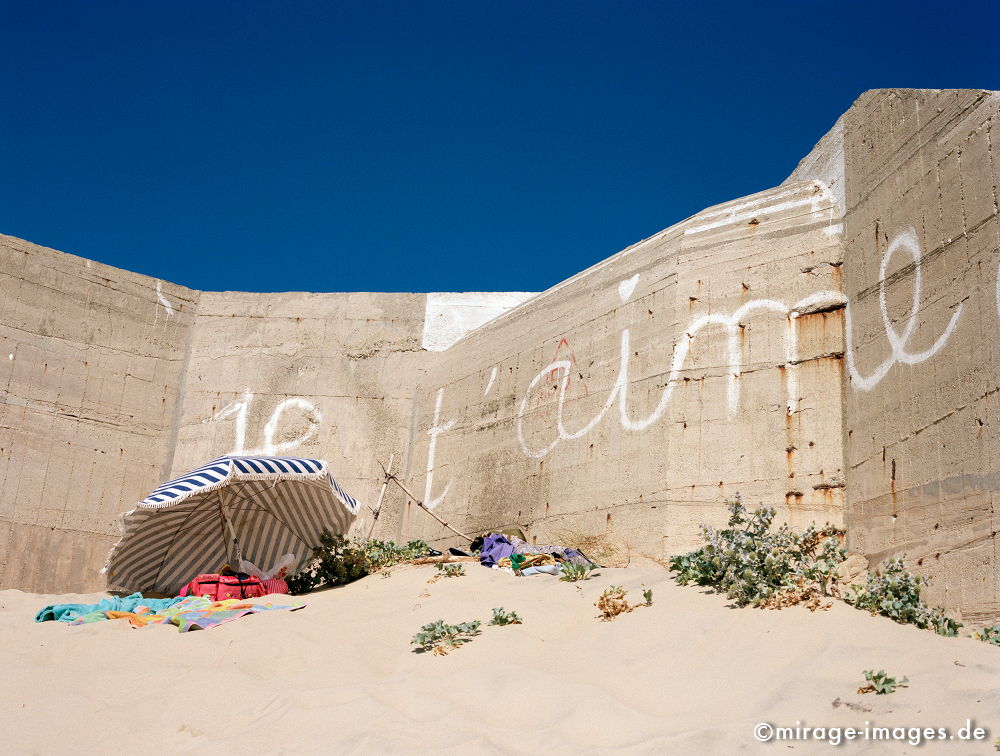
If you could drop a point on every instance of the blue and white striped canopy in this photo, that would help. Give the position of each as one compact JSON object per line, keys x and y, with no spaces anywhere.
{"x":273,"y":505}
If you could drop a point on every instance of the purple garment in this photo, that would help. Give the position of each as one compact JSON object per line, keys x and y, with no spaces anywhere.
{"x":495,"y":547}
{"x":562,"y":553}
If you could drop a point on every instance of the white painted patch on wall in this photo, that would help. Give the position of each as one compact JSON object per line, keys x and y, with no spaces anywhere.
{"x":163,"y":300}
{"x":493,"y":377}
{"x":450,"y":316}
{"x":745,"y":212}
{"x":626,"y":287}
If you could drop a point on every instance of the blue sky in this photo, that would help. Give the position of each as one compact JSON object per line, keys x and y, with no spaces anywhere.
{"x":399,"y":146}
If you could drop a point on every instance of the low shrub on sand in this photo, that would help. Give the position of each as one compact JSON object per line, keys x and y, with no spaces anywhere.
{"x":338,"y":560}
{"x":759,"y":566}
{"x":989,"y":634}
{"x":894,"y":592}
{"x":614,"y":601}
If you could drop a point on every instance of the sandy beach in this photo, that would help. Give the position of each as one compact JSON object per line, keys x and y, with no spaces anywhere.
{"x":688,"y":674}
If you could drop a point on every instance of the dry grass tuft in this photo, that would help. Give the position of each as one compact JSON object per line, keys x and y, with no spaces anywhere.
{"x":809,"y":598}
{"x":613,"y":602}
{"x":600,"y":546}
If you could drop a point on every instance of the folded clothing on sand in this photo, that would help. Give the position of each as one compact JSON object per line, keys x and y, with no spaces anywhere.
{"x":70,"y":612}
{"x":510,"y":552}
{"x":495,"y":547}
{"x":524,"y":561}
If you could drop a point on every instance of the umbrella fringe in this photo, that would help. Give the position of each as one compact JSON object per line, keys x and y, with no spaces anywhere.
{"x":233,"y":475}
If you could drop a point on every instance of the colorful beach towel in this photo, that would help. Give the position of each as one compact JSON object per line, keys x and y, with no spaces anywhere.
{"x":71,"y":612}
{"x":191,"y":613}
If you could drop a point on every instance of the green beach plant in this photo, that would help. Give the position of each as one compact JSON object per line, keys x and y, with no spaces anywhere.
{"x":880,"y":683}
{"x":759,"y":566}
{"x":502,"y":617}
{"x":439,"y":638}
{"x":338,"y":560}
{"x":450,"y":570}
{"x":894,"y":592}
{"x":572,"y":572}
{"x":989,"y":634}
{"x":648,"y":596}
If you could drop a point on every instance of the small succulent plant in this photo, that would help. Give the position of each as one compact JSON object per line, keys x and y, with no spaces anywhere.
{"x":880,"y":683}
{"x":502,"y":617}
{"x":439,"y":638}
{"x":450,"y":570}
{"x":572,"y":572}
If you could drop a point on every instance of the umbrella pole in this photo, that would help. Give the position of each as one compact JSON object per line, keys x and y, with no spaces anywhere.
{"x":389,"y":476}
{"x":232,"y":533}
{"x":381,"y":495}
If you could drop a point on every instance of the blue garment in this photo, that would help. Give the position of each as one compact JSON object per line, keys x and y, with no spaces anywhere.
{"x":495,"y":547}
{"x":69,"y":612}
{"x":548,"y":569}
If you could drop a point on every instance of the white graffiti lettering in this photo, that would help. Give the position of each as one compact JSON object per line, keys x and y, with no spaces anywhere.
{"x":906,"y":241}
{"x":730,"y":323}
{"x":241,"y":408}
{"x":493,"y":377}
{"x":436,"y":429}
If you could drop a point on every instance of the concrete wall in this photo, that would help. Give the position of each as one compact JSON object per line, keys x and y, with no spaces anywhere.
{"x":633,"y":398}
{"x":330,"y":376}
{"x":91,"y":360}
{"x":922,"y":249}
{"x":629,"y":400}
{"x":113,"y":382}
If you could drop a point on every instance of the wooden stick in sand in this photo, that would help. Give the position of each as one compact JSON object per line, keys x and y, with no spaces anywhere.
{"x":389,"y":476}
{"x":378,"y":504}
{"x":444,"y":559}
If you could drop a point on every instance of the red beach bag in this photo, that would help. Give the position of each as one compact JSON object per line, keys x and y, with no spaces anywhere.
{"x":221,"y":587}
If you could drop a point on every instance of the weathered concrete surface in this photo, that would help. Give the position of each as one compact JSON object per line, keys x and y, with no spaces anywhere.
{"x":113,"y":382}
{"x":91,"y":360}
{"x":322,"y":375}
{"x":678,"y":373}
{"x":765,"y":346}
{"x":922,"y":249}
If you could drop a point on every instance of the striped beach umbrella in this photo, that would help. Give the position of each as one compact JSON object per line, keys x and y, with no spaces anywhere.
{"x":235,"y":507}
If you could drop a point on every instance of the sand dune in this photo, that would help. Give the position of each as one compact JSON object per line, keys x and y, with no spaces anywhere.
{"x":686,"y":675}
